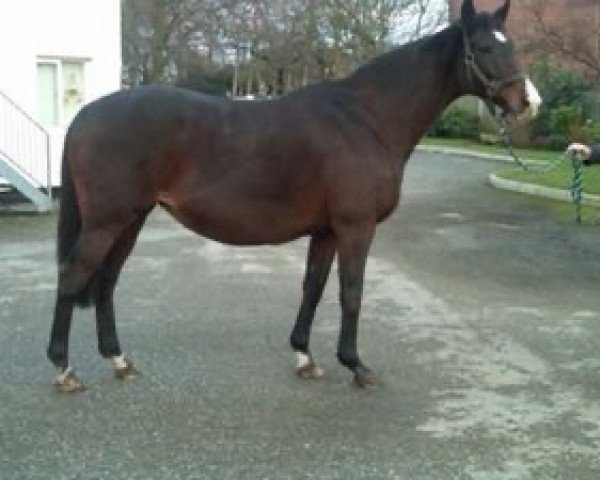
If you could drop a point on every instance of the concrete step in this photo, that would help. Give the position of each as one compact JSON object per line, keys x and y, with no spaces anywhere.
{"x":13,"y":201}
{"x":25,"y":185}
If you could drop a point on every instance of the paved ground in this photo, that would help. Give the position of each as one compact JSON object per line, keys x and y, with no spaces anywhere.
{"x":481,"y":315}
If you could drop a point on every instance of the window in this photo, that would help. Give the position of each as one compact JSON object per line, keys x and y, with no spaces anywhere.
{"x":60,"y":87}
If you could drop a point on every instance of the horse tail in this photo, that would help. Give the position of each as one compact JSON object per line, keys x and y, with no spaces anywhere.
{"x":69,"y":225}
{"x":69,"y":220}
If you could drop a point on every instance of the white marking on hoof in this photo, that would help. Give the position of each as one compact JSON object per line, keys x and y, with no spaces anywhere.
{"x":302,"y":360}
{"x":500,"y":36}
{"x":67,"y":382}
{"x":533,"y":97}
{"x":119,"y":362}
{"x":124,"y":369}
{"x":61,"y":378}
{"x":306,"y":368}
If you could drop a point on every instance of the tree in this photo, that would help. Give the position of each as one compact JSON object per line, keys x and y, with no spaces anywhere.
{"x":267,"y":46}
{"x":159,"y":34}
{"x":572,"y":34}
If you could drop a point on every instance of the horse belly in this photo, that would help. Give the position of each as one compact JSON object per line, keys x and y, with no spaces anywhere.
{"x":246,"y":223}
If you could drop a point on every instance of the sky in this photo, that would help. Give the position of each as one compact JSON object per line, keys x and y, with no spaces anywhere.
{"x":408,"y":27}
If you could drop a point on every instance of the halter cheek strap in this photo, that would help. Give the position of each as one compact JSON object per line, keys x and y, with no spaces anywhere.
{"x":492,"y":87}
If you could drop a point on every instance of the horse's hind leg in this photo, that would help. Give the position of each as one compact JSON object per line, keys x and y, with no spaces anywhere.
{"x":90,"y":251}
{"x":320,"y":257}
{"x":73,"y":284}
{"x":104,"y":284}
{"x":66,"y":381}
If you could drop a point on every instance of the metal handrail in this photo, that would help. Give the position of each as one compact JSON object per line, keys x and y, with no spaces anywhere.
{"x":25,"y":143}
{"x":24,"y":113}
{"x":14,"y":165}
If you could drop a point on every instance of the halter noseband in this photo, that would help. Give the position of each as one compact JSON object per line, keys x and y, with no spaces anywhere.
{"x":492,"y":87}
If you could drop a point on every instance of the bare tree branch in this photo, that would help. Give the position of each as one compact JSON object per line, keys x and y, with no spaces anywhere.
{"x":575,"y":39}
{"x":274,"y":44}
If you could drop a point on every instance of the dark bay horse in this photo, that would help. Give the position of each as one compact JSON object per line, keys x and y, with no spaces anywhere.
{"x":325,"y":162}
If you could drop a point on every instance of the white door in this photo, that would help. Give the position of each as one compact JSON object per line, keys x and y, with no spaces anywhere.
{"x":47,"y":94}
{"x":60,"y":91}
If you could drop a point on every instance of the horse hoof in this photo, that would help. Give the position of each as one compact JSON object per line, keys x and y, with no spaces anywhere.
{"x":306,"y":367}
{"x":309,"y":372}
{"x":364,"y":378}
{"x":127,"y":372}
{"x":68,"y":383}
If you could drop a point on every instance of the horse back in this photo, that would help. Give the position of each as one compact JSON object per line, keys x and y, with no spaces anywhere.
{"x":229,"y":169}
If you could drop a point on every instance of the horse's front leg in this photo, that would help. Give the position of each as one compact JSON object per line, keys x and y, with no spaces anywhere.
{"x":353,"y":243}
{"x":318,"y":265}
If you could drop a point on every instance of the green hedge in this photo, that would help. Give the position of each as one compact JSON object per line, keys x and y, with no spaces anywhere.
{"x":456,"y":122}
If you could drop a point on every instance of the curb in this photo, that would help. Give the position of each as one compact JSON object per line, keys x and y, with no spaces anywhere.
{"x":470,"y":153}
{"x":464,"y":153}
{"x":539,"y":191}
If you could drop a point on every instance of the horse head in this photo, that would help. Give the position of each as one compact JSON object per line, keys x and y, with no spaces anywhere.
{"x":491,"y":70}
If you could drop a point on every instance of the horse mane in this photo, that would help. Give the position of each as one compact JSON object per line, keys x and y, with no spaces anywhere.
{"x":445,"y":42}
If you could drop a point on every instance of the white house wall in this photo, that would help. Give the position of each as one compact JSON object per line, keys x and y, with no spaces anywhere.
{"x":59,"y":29}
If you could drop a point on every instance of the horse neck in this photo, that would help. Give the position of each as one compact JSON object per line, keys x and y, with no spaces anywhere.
{"x":408,"y":88}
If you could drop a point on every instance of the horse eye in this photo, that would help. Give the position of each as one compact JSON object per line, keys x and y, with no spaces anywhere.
{"x":484,"y":49}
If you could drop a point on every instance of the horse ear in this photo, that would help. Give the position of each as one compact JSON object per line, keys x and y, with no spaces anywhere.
{"x":502,"y":13}
{"x":467,"y":12}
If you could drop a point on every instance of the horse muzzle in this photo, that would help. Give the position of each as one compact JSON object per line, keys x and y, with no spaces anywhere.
{"x":519,"y":100}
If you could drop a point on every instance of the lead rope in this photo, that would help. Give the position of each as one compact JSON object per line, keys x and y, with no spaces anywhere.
{"x":528,"y":167}
{"x":577,"y":186}
{"x":576,"y":189}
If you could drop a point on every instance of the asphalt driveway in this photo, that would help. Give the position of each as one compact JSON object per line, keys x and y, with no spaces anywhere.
{"x":481,"y":316}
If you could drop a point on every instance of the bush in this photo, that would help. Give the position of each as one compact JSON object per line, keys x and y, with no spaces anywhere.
{"x":564,"y":119}
{"x":568,"y":102}
{"x":559,"y":88}
{"x":588,"y":133}
{"x":456,"y":123}
{"x":591,"y":104}
{"x":557,"y":142}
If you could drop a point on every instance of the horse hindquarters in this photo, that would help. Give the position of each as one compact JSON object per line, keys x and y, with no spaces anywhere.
{"x":91,"y":252}
{"x":74,"y":272}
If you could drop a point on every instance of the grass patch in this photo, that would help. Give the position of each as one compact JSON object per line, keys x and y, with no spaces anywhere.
{"x":559,"y":177}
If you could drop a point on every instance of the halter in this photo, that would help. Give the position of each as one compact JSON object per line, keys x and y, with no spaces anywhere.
{"x":492,"y":87}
